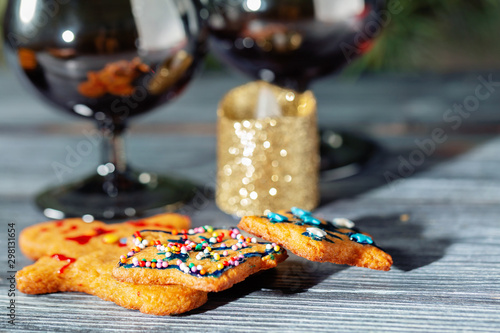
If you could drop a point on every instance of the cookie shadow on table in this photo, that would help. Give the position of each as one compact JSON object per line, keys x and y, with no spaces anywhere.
{"x":404,"y":240}
{"x":239,"y":290}
{"x":293,"y":276}
{"x":298,"y":275}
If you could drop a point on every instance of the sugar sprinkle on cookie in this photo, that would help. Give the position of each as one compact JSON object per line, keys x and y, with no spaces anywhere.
{"x":202,"y":258}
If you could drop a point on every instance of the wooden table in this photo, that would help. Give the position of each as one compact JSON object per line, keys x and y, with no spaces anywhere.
{"x":441,"y":222}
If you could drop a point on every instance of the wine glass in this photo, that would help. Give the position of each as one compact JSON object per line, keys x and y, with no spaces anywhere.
{"x":290,"y":43}
{"x":107,"y":60}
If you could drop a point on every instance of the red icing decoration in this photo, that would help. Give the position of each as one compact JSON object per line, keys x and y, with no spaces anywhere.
{"x":59,"y":223}
{"x":62,"y":257}
{"x":74,"y":227}
{"x":163,"y":225}
{"x":139,"y":223}
{"x":43,"y":229}
{"x":84,"y":239}
{"x":142,"y":223}
{"x":101,"y":231}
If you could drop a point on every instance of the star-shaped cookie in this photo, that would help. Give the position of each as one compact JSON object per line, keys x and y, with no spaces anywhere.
{"x":336,"y":241}
{"x":203,"y":258}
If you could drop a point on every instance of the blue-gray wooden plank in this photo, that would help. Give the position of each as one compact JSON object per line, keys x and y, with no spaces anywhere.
{"x":441,"y":223}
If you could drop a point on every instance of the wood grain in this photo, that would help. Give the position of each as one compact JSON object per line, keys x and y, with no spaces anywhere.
{"x":441,"y":224}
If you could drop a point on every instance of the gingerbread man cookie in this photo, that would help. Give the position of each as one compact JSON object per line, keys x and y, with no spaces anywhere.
{"x":91,"y":274}
{"x":79,"y":256}
{"x":74,"y":237}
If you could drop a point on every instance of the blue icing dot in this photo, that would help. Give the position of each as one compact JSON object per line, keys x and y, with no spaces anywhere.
{"x":310,"y":220}
{"x":360,"y":238}
{"x":300,"y":212}
{"x":274,"y":217}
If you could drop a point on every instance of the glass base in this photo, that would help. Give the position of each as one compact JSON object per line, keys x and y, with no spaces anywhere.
{"x":114,"y":196}
{"x":345,"y":154}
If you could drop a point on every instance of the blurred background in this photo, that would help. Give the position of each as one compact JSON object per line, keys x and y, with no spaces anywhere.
{"x":428,"y":35}
{"x":433,"y":56}
{"x":425,"y":61}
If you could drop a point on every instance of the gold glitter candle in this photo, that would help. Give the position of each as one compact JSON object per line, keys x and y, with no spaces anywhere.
{"x":266,"y":160}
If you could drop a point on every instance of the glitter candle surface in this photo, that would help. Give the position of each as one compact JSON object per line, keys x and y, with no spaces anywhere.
{"x":268,"y":163}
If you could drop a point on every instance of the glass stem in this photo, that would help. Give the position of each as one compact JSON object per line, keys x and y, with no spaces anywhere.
{"x":113,"y":148}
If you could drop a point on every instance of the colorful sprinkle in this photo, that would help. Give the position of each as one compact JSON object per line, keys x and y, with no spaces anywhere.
{"x":180,"y":248}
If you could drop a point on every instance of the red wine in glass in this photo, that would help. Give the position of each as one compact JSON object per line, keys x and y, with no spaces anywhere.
{"x":291,"y":43}
{"x":108,"y":61}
